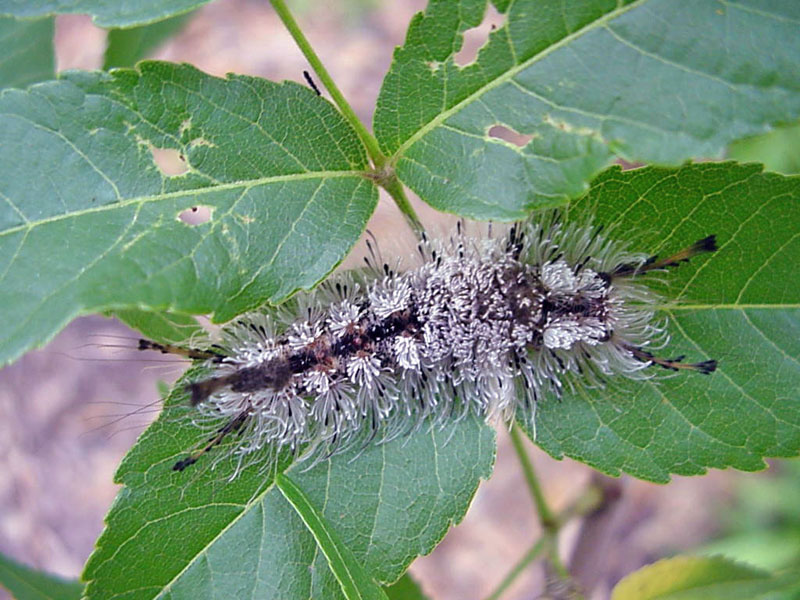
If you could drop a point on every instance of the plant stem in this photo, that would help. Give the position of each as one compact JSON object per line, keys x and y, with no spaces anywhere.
{"x":398,"y":194}
{"x":347,"y":111}
{"x":584,"y":504}
{"x":529,"y":557}
{"x":555,"y":559}
{"x":549,"y":523}
{"x":383,"y":174}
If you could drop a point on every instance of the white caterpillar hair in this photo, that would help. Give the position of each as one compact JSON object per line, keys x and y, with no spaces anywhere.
{"x":487,"y":326}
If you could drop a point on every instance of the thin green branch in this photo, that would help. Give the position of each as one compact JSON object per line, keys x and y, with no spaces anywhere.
{"x":555,"y":559}
{"x":398,"y":194}
{"x":527,"y":559}
{"x":347,"y":111}
{"x":383,"y":175}
{"x":549,"y":523}
{"x":586,"y":503}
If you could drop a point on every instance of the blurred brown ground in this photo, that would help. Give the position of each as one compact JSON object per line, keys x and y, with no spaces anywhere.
{"x":59,"y":443}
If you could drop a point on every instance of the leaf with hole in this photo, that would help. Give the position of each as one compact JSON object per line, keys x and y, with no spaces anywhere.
{"x":89,"y":223}
{"x":562,"y":87}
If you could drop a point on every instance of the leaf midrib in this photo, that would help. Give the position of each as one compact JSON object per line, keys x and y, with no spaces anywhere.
{"x":139,"y":200}
{"x":318,"y":528}
{"x":503,"y":78}
{"x":254,"y":501}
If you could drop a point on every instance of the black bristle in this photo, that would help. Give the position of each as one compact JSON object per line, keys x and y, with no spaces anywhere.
{"x":311,"y":83}
{"x":182,"y":464}
{"x":707,"y":367}
{"x":707,"y":244}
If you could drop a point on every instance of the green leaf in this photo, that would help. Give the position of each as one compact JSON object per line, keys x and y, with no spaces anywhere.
{"x":382,"y":507}
{"x":89,"y":223}
{"x":26,"y":584}
{"x":740,"y":306}
{"x":761,"y":548}
{"x":646,"y":80}
{"x":699,"y":578}
{"x":779,"y":150}
{"x":120,"y":13}
{"x":405,"y":588}
{"x":352,"y":579}
{"x":128,"y":46}
{"x":160,"y":326}
{"x":27,"y":52}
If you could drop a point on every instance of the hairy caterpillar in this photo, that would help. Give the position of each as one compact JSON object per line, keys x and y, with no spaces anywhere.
{"x":487,"y":326}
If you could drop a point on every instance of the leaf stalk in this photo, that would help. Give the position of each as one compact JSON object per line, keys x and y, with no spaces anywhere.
{"x":531,"y":555}
{"x":551,"y":522}
{"x":398,"y":193}
{"x":546,"y":517}
{"x":382,"y":175}
{"x":369,"y":141}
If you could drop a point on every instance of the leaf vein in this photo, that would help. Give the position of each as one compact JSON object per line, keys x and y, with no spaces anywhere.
{"x":758,"y":330}
{"x":509,"y":74}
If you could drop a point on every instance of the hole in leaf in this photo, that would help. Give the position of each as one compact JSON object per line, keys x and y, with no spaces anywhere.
{"x":196,"y":215}
{"x":170,"y":162}
{"x":477,"y":37}
{"x":501,"y":132}
{"x":630,"y":165}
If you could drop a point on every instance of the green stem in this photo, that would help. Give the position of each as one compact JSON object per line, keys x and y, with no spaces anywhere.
{"x":549,"y":523}
{"x":555,"y":559}
{"x":347,"y":111}
{"x":398,"y":194}
{"x":548,"y":543}
{"x":383,"y":174}
{"x":529,"y":557}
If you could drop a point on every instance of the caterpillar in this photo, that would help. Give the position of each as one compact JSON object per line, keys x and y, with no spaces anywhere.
{"x":488,"y":326}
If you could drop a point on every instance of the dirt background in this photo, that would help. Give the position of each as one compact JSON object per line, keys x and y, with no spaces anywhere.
{"x":70,"y":411}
